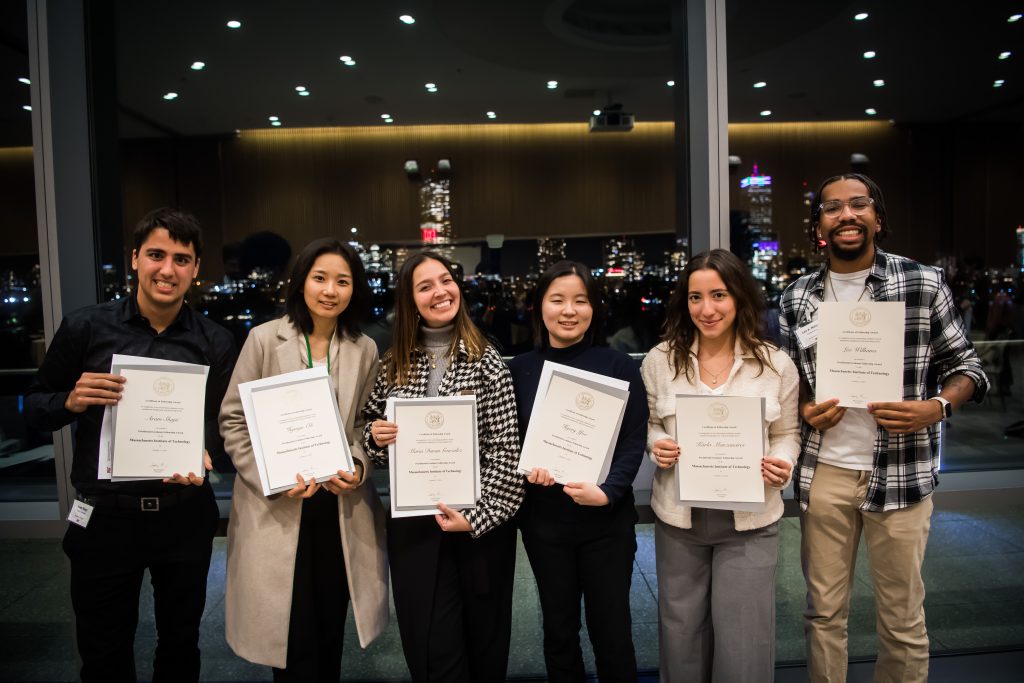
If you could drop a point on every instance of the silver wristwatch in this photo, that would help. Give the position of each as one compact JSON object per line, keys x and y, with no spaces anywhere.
{"x":947,"y":407}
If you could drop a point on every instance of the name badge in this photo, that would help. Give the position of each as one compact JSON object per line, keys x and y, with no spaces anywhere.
{"x":807,"y":335}
{"x":80,"y":513}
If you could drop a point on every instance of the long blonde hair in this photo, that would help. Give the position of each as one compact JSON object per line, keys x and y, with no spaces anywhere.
{"x":405,"y":334}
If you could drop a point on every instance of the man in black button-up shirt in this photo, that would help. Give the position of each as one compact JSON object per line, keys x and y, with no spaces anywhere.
{"x":164,"y":526}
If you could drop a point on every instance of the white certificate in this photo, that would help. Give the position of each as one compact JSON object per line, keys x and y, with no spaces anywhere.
{"x":860,"y":352}
{"x":721,"y":442}
{"x":106,"y":454}
{"x":157,"y":426}
{"x":295,"y":427}
{"x":574,"y":424}
{"x":435,"y":457}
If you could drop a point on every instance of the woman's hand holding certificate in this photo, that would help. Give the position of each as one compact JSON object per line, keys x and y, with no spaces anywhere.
{"x":573,"y":427}
{"x":297,"y":435}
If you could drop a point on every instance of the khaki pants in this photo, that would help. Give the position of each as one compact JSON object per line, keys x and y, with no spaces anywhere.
{"x":831,"y":528}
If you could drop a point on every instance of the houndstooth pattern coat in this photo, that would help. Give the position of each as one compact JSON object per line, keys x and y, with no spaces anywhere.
{"x":501,"y":485}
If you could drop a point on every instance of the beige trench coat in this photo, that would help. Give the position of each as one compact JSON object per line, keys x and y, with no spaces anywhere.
{"x":263,"y":532}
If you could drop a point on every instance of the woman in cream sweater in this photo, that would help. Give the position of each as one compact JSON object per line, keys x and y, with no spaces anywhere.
{"x":716,"y":567}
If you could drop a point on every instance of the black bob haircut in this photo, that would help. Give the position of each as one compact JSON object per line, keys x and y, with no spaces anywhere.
{"x":594,"y":333}
{"x":182,"y":226}
{"x":294,"y":293}
{"x":874,"y":192}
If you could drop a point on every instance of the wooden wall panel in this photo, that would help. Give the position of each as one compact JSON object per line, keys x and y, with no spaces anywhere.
{"x":17,"y":202}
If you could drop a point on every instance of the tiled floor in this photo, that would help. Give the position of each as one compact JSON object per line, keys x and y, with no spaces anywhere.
{"x":974,"y":571}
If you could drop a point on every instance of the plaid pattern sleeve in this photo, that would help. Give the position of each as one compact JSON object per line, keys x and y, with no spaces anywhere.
{"x":935,"y":348}
{"x":501,"y":485}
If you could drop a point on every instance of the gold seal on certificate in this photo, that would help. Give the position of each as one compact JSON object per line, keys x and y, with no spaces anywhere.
{"x":295,"y":427}
{"x":574,"y":424}
{"x":435,"y":456}
{"x":721,"y":442}
{"x":860,"y":352}
{"x":157,"y":426}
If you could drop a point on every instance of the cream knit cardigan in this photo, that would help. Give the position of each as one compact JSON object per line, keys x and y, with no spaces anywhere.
{"x":780,"y":388}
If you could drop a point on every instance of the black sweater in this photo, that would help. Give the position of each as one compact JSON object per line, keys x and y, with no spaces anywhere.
{"x":632,"y":440}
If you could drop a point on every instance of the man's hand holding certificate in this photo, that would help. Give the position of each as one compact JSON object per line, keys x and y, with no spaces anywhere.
{"x":156,"y":430}
{"x":860,"y":352}
{"x":574,"y":424}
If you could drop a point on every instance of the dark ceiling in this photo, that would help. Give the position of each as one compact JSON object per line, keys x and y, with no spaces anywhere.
{"x":939,"y":61}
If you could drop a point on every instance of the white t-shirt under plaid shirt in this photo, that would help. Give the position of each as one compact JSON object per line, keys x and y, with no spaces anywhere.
{"x":905,"y":466}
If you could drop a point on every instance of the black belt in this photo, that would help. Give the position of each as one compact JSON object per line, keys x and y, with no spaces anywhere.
{"x":143,"y":503}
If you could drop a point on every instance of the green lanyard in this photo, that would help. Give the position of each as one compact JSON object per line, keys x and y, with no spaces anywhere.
{"x":309,"y":352}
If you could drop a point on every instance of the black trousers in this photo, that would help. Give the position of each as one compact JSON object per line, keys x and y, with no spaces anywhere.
{"x":316,"y":627}
{"x":453,"y":599}
{"x":108,"y":559}
{"x":592,"y":562}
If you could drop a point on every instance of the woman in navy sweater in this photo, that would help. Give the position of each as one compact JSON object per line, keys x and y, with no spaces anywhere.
{"x":580,"y":536}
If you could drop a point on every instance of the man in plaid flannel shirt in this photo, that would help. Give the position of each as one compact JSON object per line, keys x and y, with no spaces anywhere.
{"x":872,"y":469}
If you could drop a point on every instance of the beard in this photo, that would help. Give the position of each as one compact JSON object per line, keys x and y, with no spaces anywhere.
{"x":844,"y":253}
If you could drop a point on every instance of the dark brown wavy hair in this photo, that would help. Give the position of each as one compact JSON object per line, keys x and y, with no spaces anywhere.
{"x":405,"y":334}
{"x":680,"y":331}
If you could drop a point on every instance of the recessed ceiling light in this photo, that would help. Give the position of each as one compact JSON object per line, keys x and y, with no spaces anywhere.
{"x":273,"y":118}
{"x":431,"y":89}
{"x":234,"y":23}
{"x":870,"y":54}
{"x":597,"y":112}
{"x":760,"y":84}
{"x":385,"y":116}
{"x":171,"y":96}
{"x":1005,"y":55}
{"x":998,"y":83}
{"x":860,"y":16}
{"x":670,"y":83}
{"x":878,"y":82}
{"x":198,"y":66}
{"x":1014,"y":18}
{"x":304,"y":93}
{"x":345,"y":58}
{"x":300,"y":88}
{"x":407,"y":19}
{"x":552,"y":85}
{"x":491,"y":115}
{"x":275,"y":123}
{"x":389,"y":120}
{"x":350,"y":62}
{"x":27,"y":107}
{"x":25,"y":81}
{"x":766,"y":112}
{"x":870,"y":111}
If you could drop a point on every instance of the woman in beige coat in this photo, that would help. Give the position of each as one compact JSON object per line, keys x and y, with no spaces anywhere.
{"x":296,"y":559}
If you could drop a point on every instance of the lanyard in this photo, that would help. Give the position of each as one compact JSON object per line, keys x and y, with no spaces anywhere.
{"x":309,"y":352}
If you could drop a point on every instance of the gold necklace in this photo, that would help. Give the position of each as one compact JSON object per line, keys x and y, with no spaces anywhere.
{"x":715,"y":375}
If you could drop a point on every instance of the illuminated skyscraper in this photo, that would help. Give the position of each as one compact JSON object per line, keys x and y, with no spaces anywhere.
{"x":623,"y":259}
{"x":549,"y":251}
{"x":435,"y":214}
{"x":763,"y":240}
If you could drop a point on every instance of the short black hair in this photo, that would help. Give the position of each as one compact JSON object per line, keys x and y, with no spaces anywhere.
{"x":182,"y":226}
{"x":874,"y":192}
{"x":294,"y":293}
{"x":594,"y":333}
